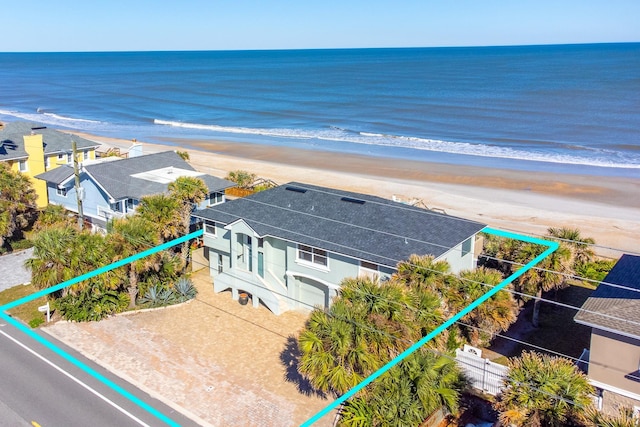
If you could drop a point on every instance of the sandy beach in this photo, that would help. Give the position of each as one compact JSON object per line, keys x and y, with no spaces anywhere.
{"x":606,"y":208}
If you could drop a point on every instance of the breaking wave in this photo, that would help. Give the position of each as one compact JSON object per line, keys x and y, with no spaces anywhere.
{"x":605,"y":158}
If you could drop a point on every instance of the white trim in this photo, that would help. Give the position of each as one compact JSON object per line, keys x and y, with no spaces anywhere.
{"x":293,"y":275}
{"x":615,"y":390}
{"x":232,"y":224}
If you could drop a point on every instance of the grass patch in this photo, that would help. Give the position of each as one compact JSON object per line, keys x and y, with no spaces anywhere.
{"x":28,"y":312}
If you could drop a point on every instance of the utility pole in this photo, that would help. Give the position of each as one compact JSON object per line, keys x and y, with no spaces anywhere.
{"x":79,"y":190}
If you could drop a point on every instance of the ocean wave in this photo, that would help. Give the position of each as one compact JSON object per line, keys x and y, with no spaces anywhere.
{"x":335,"y":134}
{"x":42,"y":116}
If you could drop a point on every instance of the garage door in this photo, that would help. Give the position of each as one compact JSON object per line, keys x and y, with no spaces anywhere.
{"x":312,"y":293}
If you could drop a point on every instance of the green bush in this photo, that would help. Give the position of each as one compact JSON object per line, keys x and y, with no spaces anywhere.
{"x":91,"y":304}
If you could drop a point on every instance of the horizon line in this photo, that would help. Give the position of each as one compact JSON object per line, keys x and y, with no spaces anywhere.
{"x":480,"y":46}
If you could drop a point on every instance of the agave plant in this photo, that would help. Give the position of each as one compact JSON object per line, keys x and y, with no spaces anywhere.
{"x":184,"y":289}
{"x":156,"y":296}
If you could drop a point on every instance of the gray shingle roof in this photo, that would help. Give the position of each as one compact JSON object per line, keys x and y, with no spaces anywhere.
{"x":357,"y":225}
{"x":117,"y":180}
{"x":612,"y":308}
{"x":58,"y":175}
{"x":12,"y":142}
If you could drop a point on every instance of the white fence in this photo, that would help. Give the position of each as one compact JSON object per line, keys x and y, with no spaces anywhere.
{"x":482,"y":373}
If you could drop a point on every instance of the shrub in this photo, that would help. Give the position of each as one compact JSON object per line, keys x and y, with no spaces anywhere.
{"x":91,"y":304}
{"x":157,"y":296}
{"x":184,"y":289}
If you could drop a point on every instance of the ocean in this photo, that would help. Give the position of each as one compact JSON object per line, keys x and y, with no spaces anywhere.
{"x":561,"y":108}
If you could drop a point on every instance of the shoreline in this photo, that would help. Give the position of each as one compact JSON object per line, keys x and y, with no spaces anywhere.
{"x":605,"y":208}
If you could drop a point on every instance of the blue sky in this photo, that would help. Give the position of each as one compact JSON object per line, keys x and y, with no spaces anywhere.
{"x":98,"y":25}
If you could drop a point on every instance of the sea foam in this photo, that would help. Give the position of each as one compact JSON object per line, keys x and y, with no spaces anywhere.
{"x":340,"y":135}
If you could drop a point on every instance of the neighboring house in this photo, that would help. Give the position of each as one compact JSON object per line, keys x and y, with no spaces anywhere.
{"x":291,"y":246}
{"x":113,"y":187}
{"x":33,"y":149}
{"x":613,"y":312}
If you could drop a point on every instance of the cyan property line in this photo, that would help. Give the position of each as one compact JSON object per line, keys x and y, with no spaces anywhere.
{"x":72,"y":359}
{"x":551,"y":247}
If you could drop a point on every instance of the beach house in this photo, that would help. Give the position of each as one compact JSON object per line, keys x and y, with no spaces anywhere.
{"x":290,"y":247}
{"x":33,"y":149}
{"x":112,"y":187}
{"x":613,"y":313}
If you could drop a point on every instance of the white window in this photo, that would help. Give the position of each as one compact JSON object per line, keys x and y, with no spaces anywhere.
{"x":312,"y":255}
{"x":131,"y":205}
{"x":61,"y":192}
{"x":22,"y":166}
{"x":216,"y":198}
{"x":60,"y":157}
{"x":47,"y":162}
{"x":69,"y":157}
{"x":116,"y":207}
{"x":209,"y":228}
{"x":85,"y":155}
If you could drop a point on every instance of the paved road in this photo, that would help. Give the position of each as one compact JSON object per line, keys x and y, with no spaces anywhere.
{"x":12,"y":271}
{"x":38,"y":385}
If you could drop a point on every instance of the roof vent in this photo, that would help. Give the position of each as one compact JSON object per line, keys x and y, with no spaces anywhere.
{"x":352,"y":200}
{"x":296,"y":189}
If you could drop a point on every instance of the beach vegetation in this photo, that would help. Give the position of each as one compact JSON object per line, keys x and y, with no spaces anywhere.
{"x":184,"y":155}
{"x":542,"y":390}
{"x":17,"y":205}
{"x":242,"y":178}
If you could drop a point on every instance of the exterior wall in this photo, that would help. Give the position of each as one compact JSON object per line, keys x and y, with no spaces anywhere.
{"x":93,"y":197}
{"x":462,"y":257}
{"x":612,"y":357}
{"x":275,"y":268}
{"x":34,"y":146}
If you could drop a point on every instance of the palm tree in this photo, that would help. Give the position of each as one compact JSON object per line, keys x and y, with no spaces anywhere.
{"x":491,"y":317}
{"x":188,"y":192}
{"x":52,"y":261}
{"x":54,"y":216}
{"x":367,"y":325}
{"x":423,"y":272}
{"x":543,"y":391}
{"x":581,"y":252}
{"x":63,"y":253}
{"x":165,"y":212}
{"x":408,"y":393}
{"x":17,"y":203}
{"x":624,"y":418}
{"x":129,"y":236}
